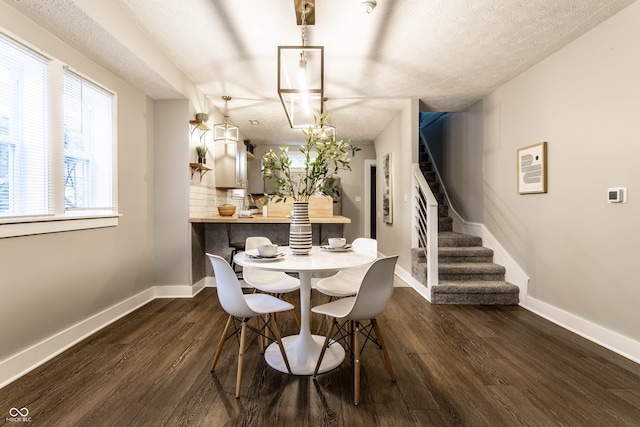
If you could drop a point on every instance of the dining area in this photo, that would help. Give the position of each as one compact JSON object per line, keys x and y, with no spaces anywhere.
{"x":355,"y":283}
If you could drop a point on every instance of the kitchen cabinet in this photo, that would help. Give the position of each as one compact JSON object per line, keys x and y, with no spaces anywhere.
{"x":230,"y":165}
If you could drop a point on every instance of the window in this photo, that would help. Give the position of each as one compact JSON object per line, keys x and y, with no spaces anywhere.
{"x":56,"y":161}
{"x":23,"y":132}
{"x":87,"y":146}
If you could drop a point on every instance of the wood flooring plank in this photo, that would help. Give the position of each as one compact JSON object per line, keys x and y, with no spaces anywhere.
{"x":455,"y":366}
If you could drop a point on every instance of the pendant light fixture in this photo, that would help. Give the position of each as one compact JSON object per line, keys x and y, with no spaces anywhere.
{"x":301,"y":78}
{"x":226,"y":132}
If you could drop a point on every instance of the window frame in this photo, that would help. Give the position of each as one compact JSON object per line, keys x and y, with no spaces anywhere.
{"x":60,"y":220}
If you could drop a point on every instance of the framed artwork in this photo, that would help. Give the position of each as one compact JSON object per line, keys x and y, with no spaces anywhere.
{"x":387,"y":189}
{"x":532,"y":169}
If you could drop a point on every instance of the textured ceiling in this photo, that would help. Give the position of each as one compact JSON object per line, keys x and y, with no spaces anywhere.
{"x":447,"y":53}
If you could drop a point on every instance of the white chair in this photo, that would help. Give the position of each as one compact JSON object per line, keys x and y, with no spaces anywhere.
{"x":271,"y":282}
{"x":346,"y":282}
{"x":243,"y":307}
{"x":370,"y":301}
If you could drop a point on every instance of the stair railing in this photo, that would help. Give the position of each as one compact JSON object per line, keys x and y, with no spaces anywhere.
{"x":425,"y":223}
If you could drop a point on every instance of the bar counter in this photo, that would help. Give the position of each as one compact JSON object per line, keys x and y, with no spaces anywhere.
{"x":259,"y":219}
{"x":216,"y":235}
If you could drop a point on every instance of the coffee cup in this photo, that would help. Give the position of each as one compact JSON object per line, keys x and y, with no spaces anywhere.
{"x":337,"y":242}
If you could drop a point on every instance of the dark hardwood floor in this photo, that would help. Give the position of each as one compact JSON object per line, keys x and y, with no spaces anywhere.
{"x":455,"y":365}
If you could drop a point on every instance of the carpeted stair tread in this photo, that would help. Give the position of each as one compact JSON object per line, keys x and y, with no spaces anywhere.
{"x":474,"y":254}
{"x":474,"y":287}
{"x":466,"y":272}
{"x":451,"y":238}
{"x":470,"y":267}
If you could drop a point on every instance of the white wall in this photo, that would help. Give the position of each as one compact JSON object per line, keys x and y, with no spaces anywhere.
{"x":172,"y":231}
{"x":400,"y":138}
{"x":579,"y":251}
{"x":53,"y":281}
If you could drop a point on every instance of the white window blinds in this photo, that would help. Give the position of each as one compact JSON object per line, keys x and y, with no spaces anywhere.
{"x":24,"y":144}
{"x":88,"y":146}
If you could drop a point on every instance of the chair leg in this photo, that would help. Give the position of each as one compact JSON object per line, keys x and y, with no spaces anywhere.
{"x":322,"y":322}
{"x":276,"y":332}
{"x":289,"y":299}
{"x":261,"y":341}
{"x":376,"y":329}
{"x":243,"y":333}
{"x":324,"y":348}
{"x":221,"y":343}
{"x":349,"y":339}
{"x":356,"y":364}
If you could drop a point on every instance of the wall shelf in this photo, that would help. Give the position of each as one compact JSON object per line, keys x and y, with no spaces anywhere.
{"x":250,"y":155}
{"x":199,"y":167}
{"x":200,"y":126}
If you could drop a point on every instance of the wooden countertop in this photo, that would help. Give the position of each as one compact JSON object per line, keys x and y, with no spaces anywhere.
{"x":259,"y":219}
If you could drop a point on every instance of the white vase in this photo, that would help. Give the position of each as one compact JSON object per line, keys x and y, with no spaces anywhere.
{"x":265,"y":212}
{"x":300,"y":236}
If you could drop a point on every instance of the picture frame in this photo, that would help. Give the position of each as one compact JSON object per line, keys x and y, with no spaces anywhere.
{"x":532,"y":169}
{"x":387,"y":188}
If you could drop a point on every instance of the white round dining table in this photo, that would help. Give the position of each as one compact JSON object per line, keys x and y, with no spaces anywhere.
{"x":304,"y":348}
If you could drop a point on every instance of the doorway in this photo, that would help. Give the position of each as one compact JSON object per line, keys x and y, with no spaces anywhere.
{"x":370,"y":211}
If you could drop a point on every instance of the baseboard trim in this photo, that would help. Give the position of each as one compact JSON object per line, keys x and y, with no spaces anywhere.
{"x":25,"y":361}
{"x":607,"y":338}
{"x":409,"y":280}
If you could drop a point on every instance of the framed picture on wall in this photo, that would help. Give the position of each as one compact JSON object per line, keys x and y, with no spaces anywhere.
{"x":387,"y":189}
{"x":532,"y":169}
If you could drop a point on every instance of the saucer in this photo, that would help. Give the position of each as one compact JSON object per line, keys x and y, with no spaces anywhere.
{"x":260,"y":258}
{"x":328,"y":248}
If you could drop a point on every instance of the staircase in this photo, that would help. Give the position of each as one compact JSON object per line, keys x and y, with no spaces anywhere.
{"x":466,"y":271}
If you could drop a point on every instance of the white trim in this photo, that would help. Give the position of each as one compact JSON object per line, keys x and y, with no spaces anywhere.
{"x":514,"y":273}
{"x":21,"y":363}
{"x":55,"y":225}
{"x":607,"y":338}
{"x":419,"y":287}
{"x":178,"y":291}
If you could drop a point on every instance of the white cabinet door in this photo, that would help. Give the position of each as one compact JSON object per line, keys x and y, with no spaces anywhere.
{"x":230,"y":165}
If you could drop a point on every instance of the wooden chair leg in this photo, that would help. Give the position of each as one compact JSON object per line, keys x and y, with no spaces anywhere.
{"x":322,"y":322}
{"x":276,"y":332}
{"x":376,"y":329}
{"x":221,"y":343}
{"x":324,"y":347}
{"x":243,"y":333}
{"x":356,"y":364}
{"x":289,"y":299}
{"x":348,"y":324}
{"x":262,"y":344}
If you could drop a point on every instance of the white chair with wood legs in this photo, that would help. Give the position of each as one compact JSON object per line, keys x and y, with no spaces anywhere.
{"x":270,"y":282}
{"x":345,"y":283}
{"x":370,"y":301}
{"x":243,"y":307}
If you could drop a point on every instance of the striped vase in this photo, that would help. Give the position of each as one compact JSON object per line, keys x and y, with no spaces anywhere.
{"x":300,"y":237}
